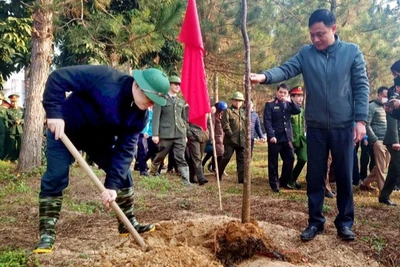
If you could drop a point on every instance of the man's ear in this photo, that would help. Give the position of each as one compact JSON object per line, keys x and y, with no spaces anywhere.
{"x":334,"y":28}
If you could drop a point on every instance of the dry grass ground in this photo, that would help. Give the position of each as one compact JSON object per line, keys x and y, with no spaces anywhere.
{"x":186,"y":222}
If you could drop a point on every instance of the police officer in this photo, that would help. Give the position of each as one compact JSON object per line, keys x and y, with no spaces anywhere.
{"x":299,"y":136}
{"x":15,"y":122}
{"x":279,"y":136}
{"x":169,"y":131}
{"x":197,"y":139}
{"x":234,"y":125}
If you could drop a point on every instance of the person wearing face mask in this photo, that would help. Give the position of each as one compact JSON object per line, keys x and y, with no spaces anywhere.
{"x":376,"y":130}
{"x":278,"y":127}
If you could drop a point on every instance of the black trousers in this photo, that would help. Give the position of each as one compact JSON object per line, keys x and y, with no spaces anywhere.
{"x":285,"y":150}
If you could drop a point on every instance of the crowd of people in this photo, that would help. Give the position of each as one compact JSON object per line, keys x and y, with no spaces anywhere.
{"x":109,"y":113}
{"x":11,"y":127}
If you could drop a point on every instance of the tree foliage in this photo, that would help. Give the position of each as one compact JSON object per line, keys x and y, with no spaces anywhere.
{"x":15,"y":37}
{"x":129,"y":30}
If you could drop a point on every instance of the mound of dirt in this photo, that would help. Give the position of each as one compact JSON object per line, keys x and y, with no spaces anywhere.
{"x":194,"y":242}
{"x":236,"y":242}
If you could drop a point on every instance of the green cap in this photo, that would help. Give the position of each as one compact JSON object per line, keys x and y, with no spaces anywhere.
{"x":174,"y":79}
{"x":153,"y":83}
{"x":237,"y":96}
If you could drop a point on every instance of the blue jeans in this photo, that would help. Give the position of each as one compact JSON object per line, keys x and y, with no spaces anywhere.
{"x":56,"y":177}
{"x":341,"y":144}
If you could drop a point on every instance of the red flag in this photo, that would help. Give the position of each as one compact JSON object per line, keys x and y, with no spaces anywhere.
{"x":194,"y":84}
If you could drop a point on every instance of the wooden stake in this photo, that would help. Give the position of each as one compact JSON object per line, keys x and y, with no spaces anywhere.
{"x":215,"y":159}
{"x":75,"y":153}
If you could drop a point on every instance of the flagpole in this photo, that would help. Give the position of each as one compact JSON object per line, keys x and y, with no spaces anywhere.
{"x":215,"y":159}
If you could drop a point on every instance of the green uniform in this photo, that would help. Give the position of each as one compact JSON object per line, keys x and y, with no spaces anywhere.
{"x":170,"y":125}
{"x":233,"y":124}
{"x":15,"y":131}
{"x":3,"y":129}
{"x":299,"y":143}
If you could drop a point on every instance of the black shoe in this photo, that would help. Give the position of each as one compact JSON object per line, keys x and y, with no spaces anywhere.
{"x":297,"y":185}
{"x":387,"y":202}
{"x":144,"y":173}
{"x":329,"y":194}
{"x":346,"y":234}
{"x":310,"y":232}
{"x":275,"y":190}
{"x":202,"y":181}
{"x":287,"y":186}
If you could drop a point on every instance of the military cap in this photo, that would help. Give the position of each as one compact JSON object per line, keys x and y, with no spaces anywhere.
{"x":237,"y":96}
{"x":154,"y":84}
{"x":298,"y":90}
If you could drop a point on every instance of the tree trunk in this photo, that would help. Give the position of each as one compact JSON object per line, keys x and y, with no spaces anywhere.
{"x":42,"y":50}
{"x":333,"y":6}
{"x":215,"y":87}
{"x":247,"y":159}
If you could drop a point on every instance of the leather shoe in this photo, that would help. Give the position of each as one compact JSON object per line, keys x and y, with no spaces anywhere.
{"x":329,"y":194}
{"x":370,"y":188}
{"x":287,"y":186}
{"x":297,"y":185}
{"x":345,"y":233}
{"x":310,"y":232}
{"x":275,"y":190}
{"x":202,"y":181}
{"x":387,"y":202}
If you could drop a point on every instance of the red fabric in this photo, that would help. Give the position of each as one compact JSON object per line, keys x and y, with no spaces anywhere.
{"x":194,"y":84}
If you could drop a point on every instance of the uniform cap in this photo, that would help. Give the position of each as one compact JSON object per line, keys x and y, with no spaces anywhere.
{"x":153,"y":83}
{"x":174,"y":79}
{"x":298,"y":90}
{"x":13,"y":97}
{"x":237,"y":96}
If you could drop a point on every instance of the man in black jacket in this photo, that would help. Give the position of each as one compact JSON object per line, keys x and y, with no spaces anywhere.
{"x":279,"y":135}
{"x":103,"y":116}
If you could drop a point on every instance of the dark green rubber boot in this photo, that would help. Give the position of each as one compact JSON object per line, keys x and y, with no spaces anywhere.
{"x":49,"y":213}
{"x":125,"y":202}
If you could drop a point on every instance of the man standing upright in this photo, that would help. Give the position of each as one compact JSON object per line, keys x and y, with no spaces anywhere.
{"x":337,"y":93}
{"x":299,"y":136}
{"x":169,"y":130}
{"x":233,"y":124}
{"x":15,"y":122}
{"x":279,"y":136}
{"x":376,"y":130}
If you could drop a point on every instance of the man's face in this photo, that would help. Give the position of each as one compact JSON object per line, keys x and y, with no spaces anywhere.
{"x":13,"y":104}
{"x":237,"y":103}
{"x":395,"y":74}
{"x":174,"y":88}
{"x":297,"y":99}
{"x":322,"y":36}
{"x":282,"y":93}
{"x":141,"y":99}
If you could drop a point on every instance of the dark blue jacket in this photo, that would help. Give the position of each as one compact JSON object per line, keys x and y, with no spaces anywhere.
{"x":255,"y":125}
{"x":100,"y":115}
{"x":277,"y":120}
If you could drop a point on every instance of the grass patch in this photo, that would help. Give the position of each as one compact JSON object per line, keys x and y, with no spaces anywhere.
{"x":155,"y":183}
{"x":15,"y":258}
{"x":88,"y":207}
{"x":234,"y":191}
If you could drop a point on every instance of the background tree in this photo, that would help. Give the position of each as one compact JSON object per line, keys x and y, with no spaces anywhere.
{"x":42,"y":51}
